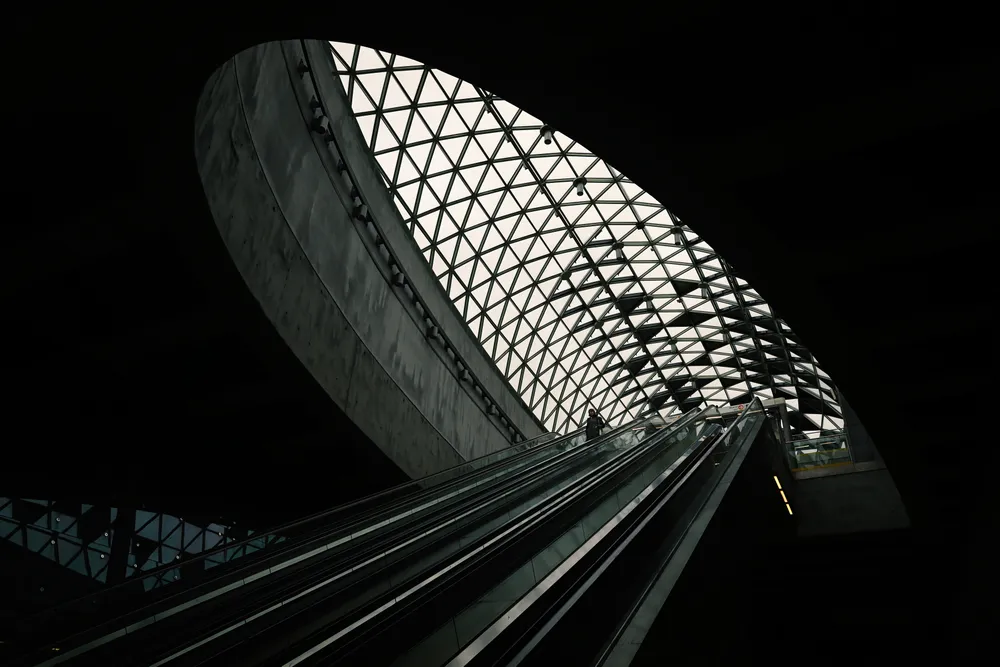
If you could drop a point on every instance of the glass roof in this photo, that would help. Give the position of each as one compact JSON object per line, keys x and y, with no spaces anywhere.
{"x":80,"y":538}
{"x":586,"y":293}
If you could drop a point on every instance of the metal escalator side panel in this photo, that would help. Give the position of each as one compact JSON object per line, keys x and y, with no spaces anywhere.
{"x":524,"y":522}
{"x":487,"y":650}
{"x":677,"y":549}
{"x":479,"y":486}
{"x":90,"y":606}
{"x":289,"y":554}
{"x":493,"y":643}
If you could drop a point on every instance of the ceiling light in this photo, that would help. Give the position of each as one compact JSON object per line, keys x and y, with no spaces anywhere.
{"x":579,"y":185}
{"x":546,"y":134}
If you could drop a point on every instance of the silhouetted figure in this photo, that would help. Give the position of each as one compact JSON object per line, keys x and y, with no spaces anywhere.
{"x":595,"y":423}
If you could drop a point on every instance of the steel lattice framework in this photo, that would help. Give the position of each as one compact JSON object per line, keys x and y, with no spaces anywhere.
{"x":80,"y":538}
{"x":583,"y":288}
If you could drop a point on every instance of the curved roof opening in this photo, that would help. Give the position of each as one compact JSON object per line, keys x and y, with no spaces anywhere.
{"x":584,"y":289}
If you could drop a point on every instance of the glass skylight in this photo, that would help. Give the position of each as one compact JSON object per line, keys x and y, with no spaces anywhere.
{"x":81,"y":539}
{"x":604,"y":299}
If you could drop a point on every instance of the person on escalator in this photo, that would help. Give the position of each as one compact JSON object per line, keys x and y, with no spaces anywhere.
{"x":595,"y":423}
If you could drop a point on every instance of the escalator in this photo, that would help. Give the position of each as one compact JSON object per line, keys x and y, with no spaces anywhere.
{"x":85,"y":625}
{"x":500,"y":563}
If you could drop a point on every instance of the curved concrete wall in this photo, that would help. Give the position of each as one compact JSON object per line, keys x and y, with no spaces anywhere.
{"x":350,"y":144}
{"x":288,"y":220}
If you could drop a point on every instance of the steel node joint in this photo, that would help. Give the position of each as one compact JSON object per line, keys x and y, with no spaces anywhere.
{"x":321,"y":125}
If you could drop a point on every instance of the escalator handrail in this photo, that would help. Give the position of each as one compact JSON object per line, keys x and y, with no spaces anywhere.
{"x":670,"y":480}
{"x":532,"y":474}
{"x":516,"y":452}
{"x":626,"y":620}
{"x":205,"y":586}
{"x":524,"y":523}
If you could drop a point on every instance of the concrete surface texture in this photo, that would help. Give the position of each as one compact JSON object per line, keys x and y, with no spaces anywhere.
{"x":364,"y":168}
{"x":289,"y":229}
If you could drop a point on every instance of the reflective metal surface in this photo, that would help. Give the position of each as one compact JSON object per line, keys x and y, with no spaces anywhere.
{"x":532,"y":515}
{"x":521,"y":606}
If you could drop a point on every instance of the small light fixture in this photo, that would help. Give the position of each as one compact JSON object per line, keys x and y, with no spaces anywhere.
{"x":546,"y":134}
{"x":706,"y":291}
{"x":619,"y":251}
{"x":102,"y":556}
{"x":579,"y":185}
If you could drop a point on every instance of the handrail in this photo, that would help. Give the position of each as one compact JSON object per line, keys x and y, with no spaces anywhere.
{"x":523,"y":525}
{"x":502,"y":455}
{"x":615,"y":433}
{"x":526,"y":444}
{"x":732,"y":433}
{"x":560,"y":591}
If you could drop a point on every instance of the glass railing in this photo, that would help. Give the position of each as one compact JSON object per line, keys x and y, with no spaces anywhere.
{"x":829,"y":450}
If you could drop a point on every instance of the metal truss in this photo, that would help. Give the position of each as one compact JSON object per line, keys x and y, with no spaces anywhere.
{"x":585,"y":290}
{"x":88,"y":539}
